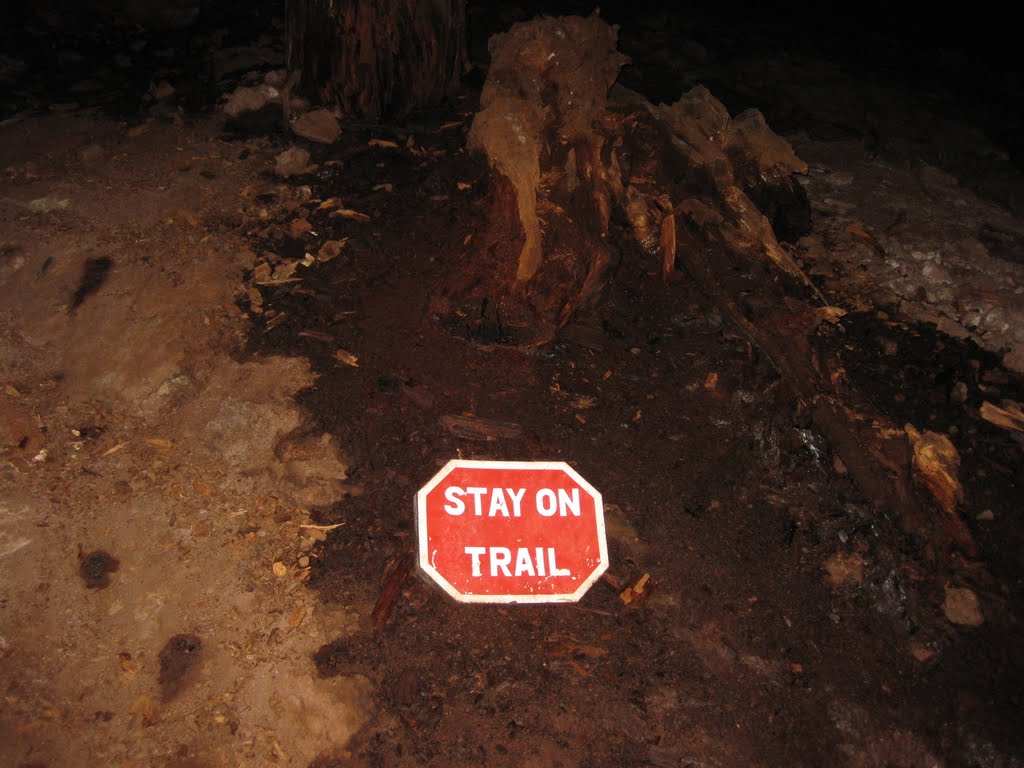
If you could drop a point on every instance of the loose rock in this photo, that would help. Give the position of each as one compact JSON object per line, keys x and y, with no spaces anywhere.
{"x":961,"y":607}
{"x":292,"y":162}
{"x":246,"y":99}
{"x":320,"y":126}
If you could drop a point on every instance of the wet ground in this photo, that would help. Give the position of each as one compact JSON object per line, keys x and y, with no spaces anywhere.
{"x":248,"y":449}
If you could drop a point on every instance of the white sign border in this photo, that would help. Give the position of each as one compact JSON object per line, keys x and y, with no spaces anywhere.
{"x":423,"y":555}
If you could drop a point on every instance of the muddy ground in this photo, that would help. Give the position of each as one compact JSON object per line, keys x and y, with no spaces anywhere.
{"x":202,"y":496}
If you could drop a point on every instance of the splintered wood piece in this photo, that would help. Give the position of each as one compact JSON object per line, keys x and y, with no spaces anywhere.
{"x":484,"y":430}
{"x":668,"y":246}
{"x":395,"y":574}
{"x":1009,"y":417}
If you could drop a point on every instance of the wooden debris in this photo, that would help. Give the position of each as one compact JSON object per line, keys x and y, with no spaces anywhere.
{"x":316,"y":527}
{"x":346,"y":357}
{"x":1010,"y":416}
{"x":936,"y":464}
{"x":329,"y":203}
{"x":331,"y":249}
{"x":874,"y":453}
{"x":668,"y":246}
{"x":275,"y":321}
{"x":637,"y":594}
{"x":348,"y":213}
{"x":383,"y":144}
{"x":484,"y":430}
{"x":395,"y":574}
{"x":159,"y":442}
{"x":113,"y":449}
{"x":261,"y":272}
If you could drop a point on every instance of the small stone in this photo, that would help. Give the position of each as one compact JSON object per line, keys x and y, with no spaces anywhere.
{"x":304,"y":561}
{"x":961,"y":607}
{"x":292,"y":162}
{"x":244,"y":100}
{"x":320,"y":126}
{"x":280,"y":569}
{"x":920,"y":652}
{"x":986,"y":514}
{"x":838,"y":465}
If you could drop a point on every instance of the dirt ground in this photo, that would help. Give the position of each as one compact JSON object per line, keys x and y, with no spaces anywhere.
{"x":219,"y":399}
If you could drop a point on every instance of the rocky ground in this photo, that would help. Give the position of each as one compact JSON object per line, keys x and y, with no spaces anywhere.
{"x":222,"y":386}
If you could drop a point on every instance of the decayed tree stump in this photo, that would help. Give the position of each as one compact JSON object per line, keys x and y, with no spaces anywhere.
{"x":582,"y":171}
{"x":375,"y":58}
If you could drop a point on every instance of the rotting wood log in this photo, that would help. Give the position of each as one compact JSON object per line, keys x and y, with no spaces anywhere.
{"x":875,"y":454}
{"x":376,"y":58}
{"x":582,"y":172}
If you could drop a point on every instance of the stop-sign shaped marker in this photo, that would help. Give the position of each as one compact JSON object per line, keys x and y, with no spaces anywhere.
{"x":511,"y":532}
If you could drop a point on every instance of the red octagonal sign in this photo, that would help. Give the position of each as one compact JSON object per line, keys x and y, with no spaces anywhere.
{"x":511,"y":532}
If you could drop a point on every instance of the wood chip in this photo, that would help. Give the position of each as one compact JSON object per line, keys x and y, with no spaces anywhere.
{"x":346,"y":357}
{"x":315,"y":527}
{"x":936,"y":465}
{"x":261,"y":272}
{"x":1008,"y":417}
{"x":348,"y":213}
{"x":637,"y":594}
{"x":382,"y":143}
{"x":331,"y":249}
{"x":114,"y":449}
{"x":160,"y":442}
{"x":275,"y":321}
{"x":331,"y":202}
{"x":295,"y":617}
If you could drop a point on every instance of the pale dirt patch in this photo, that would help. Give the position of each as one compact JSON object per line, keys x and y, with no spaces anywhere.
{"x":127,"y":425}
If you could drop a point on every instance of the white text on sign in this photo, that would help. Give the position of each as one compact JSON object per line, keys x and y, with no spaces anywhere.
{"x":508,"y":502}
{"x":527,"y":563}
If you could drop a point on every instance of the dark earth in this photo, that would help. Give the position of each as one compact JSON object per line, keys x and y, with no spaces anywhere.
{"x":719,"y":492}
{"x":96,"y":568}
{"x":746,"y":649}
